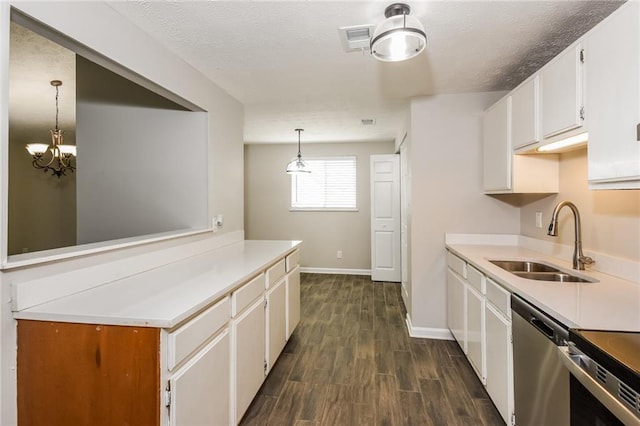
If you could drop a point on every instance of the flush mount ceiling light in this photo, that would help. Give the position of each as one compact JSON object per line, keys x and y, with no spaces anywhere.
{"x":399,"y":37}
{"x":61,"y":155}
{"x":297,"y":165}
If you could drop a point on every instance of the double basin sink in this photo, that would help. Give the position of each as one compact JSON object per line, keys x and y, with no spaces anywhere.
{"x":539,"y":271}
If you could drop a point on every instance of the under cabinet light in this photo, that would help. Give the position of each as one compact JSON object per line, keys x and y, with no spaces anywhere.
{"x":573,"y":142}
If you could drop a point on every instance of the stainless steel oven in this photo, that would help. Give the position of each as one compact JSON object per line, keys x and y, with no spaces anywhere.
{"x":605,"y":377}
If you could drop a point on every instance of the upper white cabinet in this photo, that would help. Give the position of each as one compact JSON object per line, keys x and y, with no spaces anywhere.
{"x":497,"y":147}
{"x":612,"y":96}
{"x":561,"y":92}
{"x":506,"y":172}
{"x":525,"y":106}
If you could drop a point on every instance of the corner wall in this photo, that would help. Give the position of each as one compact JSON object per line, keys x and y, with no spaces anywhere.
{"x":447,"y":195}
{"x":268,"y":199}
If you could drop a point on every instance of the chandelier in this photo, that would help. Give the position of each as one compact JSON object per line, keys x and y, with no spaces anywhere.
{"x":61,"y":155}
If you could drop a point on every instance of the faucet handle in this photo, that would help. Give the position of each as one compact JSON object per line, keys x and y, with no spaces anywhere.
{"x":586,"y":260}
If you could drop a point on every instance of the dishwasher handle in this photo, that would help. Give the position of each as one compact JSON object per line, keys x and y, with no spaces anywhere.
{"x":543,"y":327}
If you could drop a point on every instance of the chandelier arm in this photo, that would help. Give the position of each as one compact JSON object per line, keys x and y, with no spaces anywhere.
{"x":38,"y":165}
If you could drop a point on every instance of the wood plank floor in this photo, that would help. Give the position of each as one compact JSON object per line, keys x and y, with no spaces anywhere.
{"x":351,"y":362}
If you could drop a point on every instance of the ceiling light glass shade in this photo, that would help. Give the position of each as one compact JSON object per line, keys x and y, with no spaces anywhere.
{"x":67,"y":149}
{"x":397,"y":38}
{"x":37,"y":148}
{"x":297,"y":166}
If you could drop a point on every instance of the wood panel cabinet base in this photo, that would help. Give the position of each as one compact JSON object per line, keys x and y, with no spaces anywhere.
{"x":84,"y":374}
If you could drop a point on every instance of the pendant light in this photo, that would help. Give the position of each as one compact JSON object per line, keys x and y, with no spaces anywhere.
{"x":399,"y":37}
{"x":297,"y":165}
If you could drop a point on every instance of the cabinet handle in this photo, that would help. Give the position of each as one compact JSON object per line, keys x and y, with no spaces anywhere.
{"x":638,"y":132}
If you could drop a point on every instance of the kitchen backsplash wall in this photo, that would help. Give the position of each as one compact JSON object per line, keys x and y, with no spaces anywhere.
{"x":610,"y":219}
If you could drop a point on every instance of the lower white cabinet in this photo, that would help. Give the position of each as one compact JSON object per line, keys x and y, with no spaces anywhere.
{"x":200,"y":389}
{"x":479,"y":317}
{"x":248,"y":334}
{"x":456,"y":307}
{"x":499,"y":380}
{"x":293,"y":300}
{"x":276,"y":315}
{"x":476,"y":331}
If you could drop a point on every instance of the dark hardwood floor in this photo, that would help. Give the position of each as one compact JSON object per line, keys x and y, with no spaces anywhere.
{"x":351,"y":362}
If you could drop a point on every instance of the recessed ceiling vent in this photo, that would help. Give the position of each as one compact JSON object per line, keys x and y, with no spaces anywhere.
{"x":355,"y":39}
{"x":368,"y":121}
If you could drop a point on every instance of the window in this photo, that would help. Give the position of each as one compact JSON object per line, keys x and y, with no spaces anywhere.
{"x":331,"y":185}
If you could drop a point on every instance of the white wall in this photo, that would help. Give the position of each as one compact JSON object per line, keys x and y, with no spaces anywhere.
{"x":610,"y":219}
{"x":100,"y":28}
{"x":268,"y":198}
{"x":447,"y":194}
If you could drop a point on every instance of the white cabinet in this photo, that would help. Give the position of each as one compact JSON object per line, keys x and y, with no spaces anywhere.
{"x":248,"y":343}
{"x":505,"y":172}
{"x":479,"y":317}
{"x":497,"y":146}
{"x":525,"y":129}
{"x":613,"y":100}
{"x":475,"y":328}
{"x":293,"y":300}
{"x":475,"y":331}
{"x":276,"y":322}
{"x":200,"y":389}
{"x":499,"y":372}
{"x":561,"y":92}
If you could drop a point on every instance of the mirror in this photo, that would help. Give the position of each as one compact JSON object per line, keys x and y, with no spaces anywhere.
{"x":141,"y":166}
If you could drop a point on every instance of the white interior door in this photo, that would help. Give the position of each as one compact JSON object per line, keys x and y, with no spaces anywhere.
{"x":385,"y":218}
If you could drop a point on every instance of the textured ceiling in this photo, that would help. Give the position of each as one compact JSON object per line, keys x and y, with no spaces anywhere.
{"x":284,"y":61}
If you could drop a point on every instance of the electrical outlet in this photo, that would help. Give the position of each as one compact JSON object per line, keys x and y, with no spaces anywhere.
{"x":339,"y":254}
{"x":538,"y":219}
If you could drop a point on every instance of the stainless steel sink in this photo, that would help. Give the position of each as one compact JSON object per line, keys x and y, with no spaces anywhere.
{"x":539,"y":271}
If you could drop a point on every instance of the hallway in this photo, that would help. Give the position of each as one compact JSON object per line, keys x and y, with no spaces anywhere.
{"x":351,"y":362}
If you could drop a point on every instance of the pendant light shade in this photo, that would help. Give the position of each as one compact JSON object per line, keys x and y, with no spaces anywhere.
{"x":399,"y":37}
{"x":297,"y":165}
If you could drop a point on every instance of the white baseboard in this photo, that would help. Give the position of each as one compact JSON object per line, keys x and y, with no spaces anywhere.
{"x":428,"y":333}
{"x":338,"y":271}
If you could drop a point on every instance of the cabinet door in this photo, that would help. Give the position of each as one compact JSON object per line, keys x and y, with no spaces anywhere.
{"x":524,"y":114}
{"x":499,"y":362}
{"x":497,"y":146}
{"x":475,"y":331}
{"x":613,"y":87}
{"x":456,"y":307}
{"x":248,"y":340}
{"x":276,"y":322}
{"x":293,"y":300}
{"x":561,"y":87}
{"x":200,"y":389}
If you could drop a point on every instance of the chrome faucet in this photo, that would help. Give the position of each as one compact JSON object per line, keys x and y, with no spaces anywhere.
{"x":579,"y":259}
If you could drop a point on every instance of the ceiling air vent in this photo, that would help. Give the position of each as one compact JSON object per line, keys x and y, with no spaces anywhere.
{"x":355,"y":39}
{"x":368,"y":121}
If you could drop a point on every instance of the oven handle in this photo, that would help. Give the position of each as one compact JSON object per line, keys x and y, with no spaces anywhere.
{"x":616,"y":407}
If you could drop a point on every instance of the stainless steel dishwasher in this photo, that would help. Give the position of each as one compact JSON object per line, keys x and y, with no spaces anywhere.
{"x":541,"y":382}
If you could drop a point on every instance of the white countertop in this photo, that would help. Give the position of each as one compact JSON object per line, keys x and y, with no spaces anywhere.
{"x":609,"y":304}
{"x":165,"y":296}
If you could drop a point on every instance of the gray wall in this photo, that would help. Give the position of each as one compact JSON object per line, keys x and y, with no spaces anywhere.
{"x":268,"y":197}
{"x":446,"y":194}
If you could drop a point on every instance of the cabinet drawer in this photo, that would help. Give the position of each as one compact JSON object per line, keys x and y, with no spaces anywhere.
{"x":186,"y":339}
{"x":246,"y":294}
{"x":456,"y":264}
{"x":499,"y":297}
{"x":293,"y":260}
{"x":475,"y":279}
{"x":275,"y":273}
